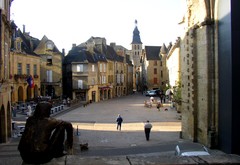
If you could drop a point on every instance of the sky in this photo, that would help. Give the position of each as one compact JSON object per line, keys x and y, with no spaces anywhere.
{"x":75,"y":21}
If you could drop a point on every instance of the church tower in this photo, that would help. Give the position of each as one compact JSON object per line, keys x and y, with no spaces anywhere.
{"x":136,"y":57}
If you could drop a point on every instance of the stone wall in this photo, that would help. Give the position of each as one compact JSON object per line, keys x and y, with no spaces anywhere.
{"x":197,"y":51}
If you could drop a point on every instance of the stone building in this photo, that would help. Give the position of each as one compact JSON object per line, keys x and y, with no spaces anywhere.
{"x":210,"y":60}
{"x":25,"y":65}
{"x":5,"y":75}
{"x":154,"y":68}
{"x":173,"y":64}
{"x":109,"y":78}
{"x":80,"y":75}
{"x":51,"y":68}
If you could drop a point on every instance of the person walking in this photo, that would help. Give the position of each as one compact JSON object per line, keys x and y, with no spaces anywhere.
{"x":147,"y":129}
{"x":119,"y":121}
{"x":29,"y":112}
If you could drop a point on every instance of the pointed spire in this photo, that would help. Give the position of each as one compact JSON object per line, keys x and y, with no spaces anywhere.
{"x":163,"y":49}
{"x":136,"y":36}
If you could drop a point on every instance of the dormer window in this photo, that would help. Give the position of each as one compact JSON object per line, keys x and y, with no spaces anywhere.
{"x":18,"y":44}
{"x":49,"y":45}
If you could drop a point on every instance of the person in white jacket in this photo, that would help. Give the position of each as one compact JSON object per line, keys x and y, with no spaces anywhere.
{"x":29,"y":112}
{"x":147,"y":129}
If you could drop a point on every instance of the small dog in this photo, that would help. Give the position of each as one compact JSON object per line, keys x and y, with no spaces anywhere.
{"x":84,"y":147}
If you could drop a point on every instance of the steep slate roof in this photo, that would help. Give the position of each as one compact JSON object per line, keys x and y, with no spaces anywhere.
{"x":111,"y":54}
{"x":153,"y":52}
{"x":42,"y":43}
{"x":76,"y":54}
{"x":136,"y":36}
{"x":80,"y":54}
{"x":99,"y":56}
{"x":25,"y":45}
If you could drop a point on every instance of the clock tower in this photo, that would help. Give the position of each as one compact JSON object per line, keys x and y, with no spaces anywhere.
{"x":136,"y":57}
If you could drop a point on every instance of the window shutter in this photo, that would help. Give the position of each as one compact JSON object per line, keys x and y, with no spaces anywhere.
{"x":80,"y":84}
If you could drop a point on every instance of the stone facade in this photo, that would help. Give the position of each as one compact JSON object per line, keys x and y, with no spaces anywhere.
{"x":51,"y":68}
{"x":25,"y":64}
{"x":173,"y":64}
{"x":109,"y":79}
{"x":198,"y":78}
{"x":5,"y":75}
{"x":154,"y":68}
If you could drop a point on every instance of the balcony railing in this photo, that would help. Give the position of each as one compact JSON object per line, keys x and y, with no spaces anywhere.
{"x":79,"y":73}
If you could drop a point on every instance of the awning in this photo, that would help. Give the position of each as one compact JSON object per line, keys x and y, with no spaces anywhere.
{"x":103,"y":88}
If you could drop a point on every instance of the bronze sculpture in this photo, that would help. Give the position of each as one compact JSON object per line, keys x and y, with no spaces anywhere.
{"x":43,"y":137}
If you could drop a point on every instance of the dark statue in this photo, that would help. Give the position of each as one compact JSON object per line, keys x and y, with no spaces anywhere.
{"x":44,"y":137}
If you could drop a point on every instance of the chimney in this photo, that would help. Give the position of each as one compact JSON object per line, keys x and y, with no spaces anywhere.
{"x":112,"y":44}
{"x":23,"y":28}
{"x":74,"y":45}
{"x":63,"y":52}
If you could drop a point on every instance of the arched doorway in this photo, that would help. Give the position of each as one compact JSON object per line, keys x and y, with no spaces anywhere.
{"x":50,"y":91}
{"x":2,"y":125}
{"x":29,"y":93}
{"x":9,"y":121}
{"x":35,"y":91}
{"x":20,"y":93}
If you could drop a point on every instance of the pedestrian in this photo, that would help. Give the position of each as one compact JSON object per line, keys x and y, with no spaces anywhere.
{"x":119,"y":121}
{"x":158,"y":105}
{"x":152,"y":99}
{"x":147,"y":129}
{"x":29,"y":112}
{"x":68,"y":102}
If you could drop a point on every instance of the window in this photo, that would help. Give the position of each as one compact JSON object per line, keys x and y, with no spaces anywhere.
{"x":161,"y":73}
{"x":49,"y":60}
{"x":155,"y":80}
{"x":49,"y":45}
{"x":155,"y":63}
{"x":35,"y":69}
{"x":18,"y":46}
{"x":80,"y":68}
{"x":104,"y":67}
{"x":80,"y":84}
{"x":100,"y":67}
{"x":103,"y":79}
{"x":122,"y":78}
{"x":118,"y":78}
{"x":6,"y":66}
{"x":49,"y":75}
{"x":93,"y":81}
{"x":28,"y":69}
{"x":155,"y":70}
{"x":19,"y":71}
{"x":93,"y":68}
